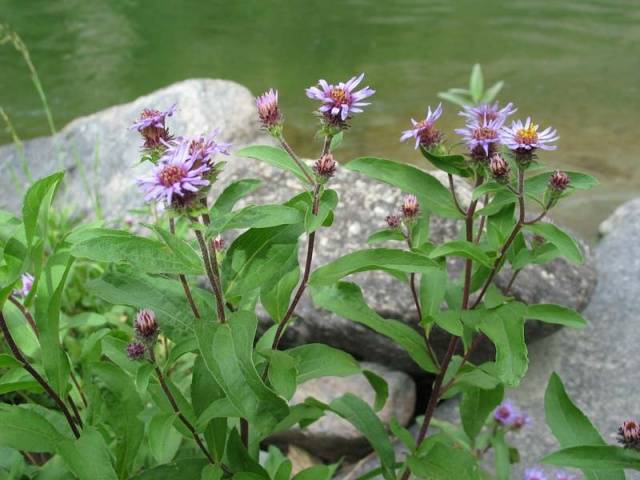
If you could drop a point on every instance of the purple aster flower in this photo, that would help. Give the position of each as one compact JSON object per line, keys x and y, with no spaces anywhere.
{"x":506,"y":413}
{"x":488,"y":112}
{"x":176,"y":175}
{"x":136,"y":351}
{"x":218,"y":243}
{"x":202,"y":148}
{"x":341,"y":100}
{"x":424,"y":131}
{"x":564,"y":475}
{"x":151,"y":126}
{"x":27,"y":284}
{"x":482,"y":138}
{"x":525,"y":137}
{"x":268,"y":110}
{"x":534,"y":473}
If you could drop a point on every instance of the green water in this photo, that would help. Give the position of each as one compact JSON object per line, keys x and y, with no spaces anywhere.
{"x":572,"y":64}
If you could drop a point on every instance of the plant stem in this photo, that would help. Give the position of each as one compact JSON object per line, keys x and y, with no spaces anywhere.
{"x":80,"y":392}
{"x":36,"y":376}
{"x":452,"y":187}
{"x":28,"y":317}
{"x":76,"y":412}
{"x":213,"y":280}
{"x":295,"y":158}
{"x":183,"y":279}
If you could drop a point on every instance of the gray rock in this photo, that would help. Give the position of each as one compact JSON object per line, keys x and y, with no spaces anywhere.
{"x":597,"y":364}
{"x":332,"y":437}
{"x":625,"y":213}
{"x":217,"y":104}
{"x":101,"y":155}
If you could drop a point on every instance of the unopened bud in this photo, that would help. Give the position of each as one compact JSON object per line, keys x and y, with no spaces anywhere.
{"x":218,"y":243}
{"x":136,"y":351}
{"x":499,"y":168}
{"x":410,"y":206}
{"x":146,"y":325}
{"x":393,"y":221}
{"x":629,"y":434}
{"x":559,"y":181}
{"x":268,"y":111}
{"x":325,"y":167}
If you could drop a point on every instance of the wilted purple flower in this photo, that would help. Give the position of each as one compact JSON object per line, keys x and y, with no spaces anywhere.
{"x":341,"y":100}
{"x":506,"y":413}
{"x":521,"y":420}
{"x":410,"y":206}
{"x":27,"y":284}
{"x":218,"y":243}
{"x":559,"y":181}
{"x":146,"y":325}
{"x":151,"y":126}
{"x":424,"y":131}
{"x":136,"y":351}
{"x":629,"y":434}
{"x":524,"y":137}
{"x":534,"y":473}
{"x":563,"y":475}
{"x":499,"y":168}
{"x":325,"y":167}
{"x":393,"y":221}
{"x":176,"y":175}
{"x":268,"y":110}
{"x":488,"y":112}
{"x":483,"y":137}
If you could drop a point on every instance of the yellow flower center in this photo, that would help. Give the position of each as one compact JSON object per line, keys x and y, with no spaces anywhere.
{"x":338,"y":95}
{"x":528,"y":135}
{"x":170,"y":175}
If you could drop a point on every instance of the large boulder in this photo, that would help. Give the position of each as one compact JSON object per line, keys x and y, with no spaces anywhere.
{"x":204,"y":105}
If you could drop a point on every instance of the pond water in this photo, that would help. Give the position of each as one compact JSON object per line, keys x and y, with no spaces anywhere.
{"x":572,"y":64}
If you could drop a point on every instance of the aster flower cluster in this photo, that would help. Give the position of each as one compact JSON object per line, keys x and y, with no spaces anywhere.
{"x":409,"y":210}
{"x":146,"y":330}
{"x":185,"y":166}
{"x":509,"y":416}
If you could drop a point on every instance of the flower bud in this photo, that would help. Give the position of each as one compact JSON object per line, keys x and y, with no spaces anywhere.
{"x":410,"y":206}
{"x":325,"y":167}
{"x":499,"y":168}
{"x":27,"y":285}
{"x":559,"y":181}
{"x":629,"y":434}
{"x":393,"y":221}
{"x":146,"y":325}
{"x":218,"y":243}
{"x":269,"y":112}
{"x":136,"y":351}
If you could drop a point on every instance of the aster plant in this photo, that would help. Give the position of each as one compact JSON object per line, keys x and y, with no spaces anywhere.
{"x":178,"y":380}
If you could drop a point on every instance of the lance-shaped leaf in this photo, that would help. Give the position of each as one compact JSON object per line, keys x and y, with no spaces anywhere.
{"x":550,"y":313}
{"x":278,"y":158}
{"x":27,"y":430}
{"x":431,"y":193}
{"x":372,"y":259}
{"x":88,"y":457}
{"x":345,"y":299}
{"x":595,"y":458}
{"x":38,"y":199}
{"x":232,"y":194}
{"x":443,"y":462}
{"x":539,"y":183}
{"x":461,"y":248}
{"x":565,"y":244}
{"x":255,"y":216}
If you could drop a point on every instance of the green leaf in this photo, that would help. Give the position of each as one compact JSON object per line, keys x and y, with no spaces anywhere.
{"x":488,"y":188}
{"x":539,"y":183}
{"x":88,"y":457}
{"x":462,"y":248}
{"x":27,"y":430}
{"x":180,"y":248}
{"x":476,"y":83}
{"x":571,"y":427}
{"x":595,"y":457}
{"x":492,"y":92}
{"x":234,"y":192}
{"x":276,"y":157}
{"x":187,"y":468}
{"x":276,"y":300}
{"x":282,"y":373}
{"x":567,"y":245}
{"x":319,"y":360}
{"x":160,"y":428}
{"x":255,"y":216}
{"x":505,"y":327}
{"x":444,"y":462}
{"x":143,"y":254}
{"x":433,"y":286}
{"x":227,"y":350}
{"x":557,"y":314}
{"x":475,"y":407}
{"x":432,"y":194}
{"x":38,"y":198}
{"x":372,"y":259}
{"x":454,"y":98}
{"x":501,"y":454}
{"x":385,"y":235}
{"x":316,"y":472}
{"x":345,"y":299}
{"x":453,"y":164}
